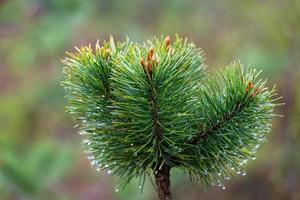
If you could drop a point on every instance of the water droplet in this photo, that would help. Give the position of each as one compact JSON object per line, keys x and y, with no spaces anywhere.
{"x":85,"y":141}
{"x":131,"y":144}
{"x":94,"y":162}
{"x":84,"y":120}
{"x":238,"y":172}
{"x":76,"y":125}
{"x":106,"y":165}
{"x":223,"y":187}
{"x":116,"y":190}
{"x":254,"y":158}
{"x":109,"y":171}
{"x":232,"y":168}
{"x":244,"y":174}
{"x":227,"y":178}
{"x":81,"y":132}
{"x":140,"y":186}
{"x":212,"y":183}
{"x":98,"y":169}
{"x":219,"y":174}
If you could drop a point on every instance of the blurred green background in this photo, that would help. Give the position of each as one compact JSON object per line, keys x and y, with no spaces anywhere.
{"x":40,"y":152}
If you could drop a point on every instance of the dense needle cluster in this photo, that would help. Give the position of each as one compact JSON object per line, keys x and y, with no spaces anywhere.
{"x":144,"y":109}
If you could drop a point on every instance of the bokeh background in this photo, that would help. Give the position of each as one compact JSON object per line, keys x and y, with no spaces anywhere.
{"x":40,"y":152}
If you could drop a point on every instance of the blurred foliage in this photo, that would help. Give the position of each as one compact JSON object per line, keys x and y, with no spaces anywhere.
{"x":29,"y":173}
{"x":34,"y":34}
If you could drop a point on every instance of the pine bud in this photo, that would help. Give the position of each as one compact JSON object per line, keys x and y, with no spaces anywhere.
{"x":249,"y":86}
{"x":167,"y":41}
{"x":143,"y":64}
{"x":150,"y":54}
{"x":150,"y":69}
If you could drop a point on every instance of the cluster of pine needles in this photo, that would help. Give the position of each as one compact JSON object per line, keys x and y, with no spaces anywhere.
{"x":143,"y":107}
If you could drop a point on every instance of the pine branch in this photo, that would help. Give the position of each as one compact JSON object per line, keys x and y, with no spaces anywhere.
{"x":203,"y":134}
{"x":236,"y":118}
{"x":143,"y":110}
{"x":161,"y":169}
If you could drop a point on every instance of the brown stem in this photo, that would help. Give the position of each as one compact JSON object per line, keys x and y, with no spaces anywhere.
{"x":162,"y":179}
